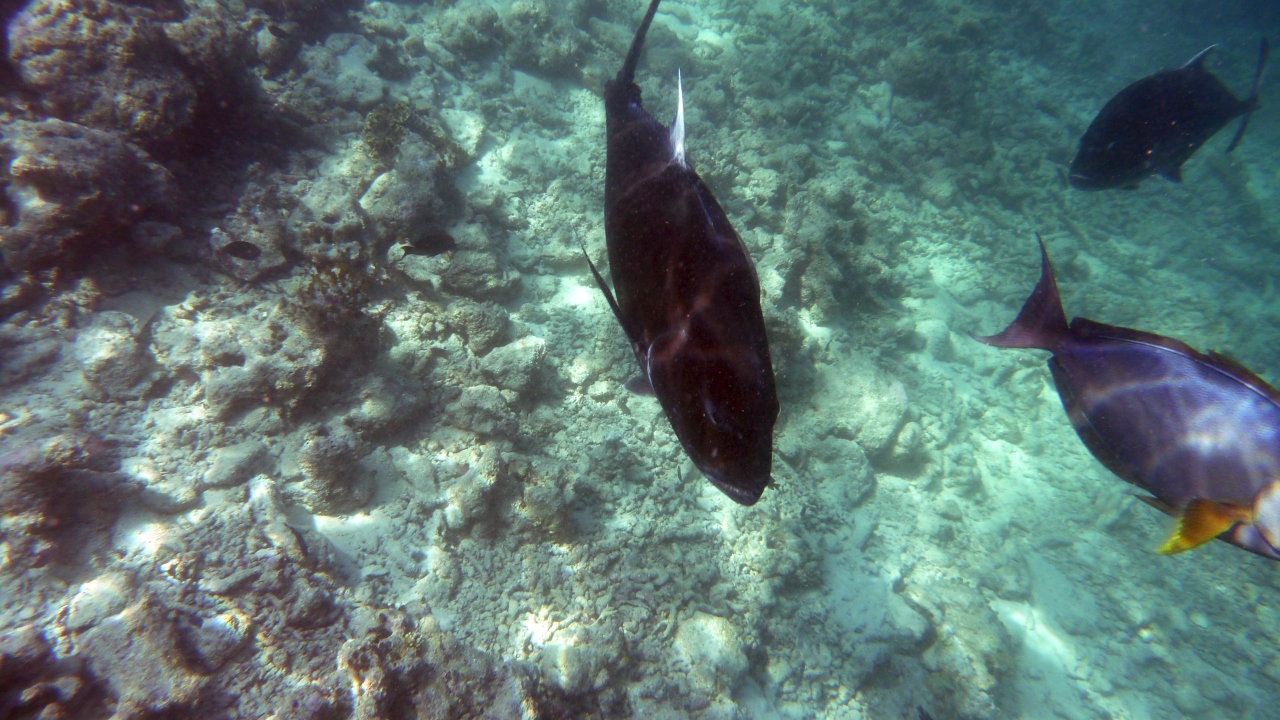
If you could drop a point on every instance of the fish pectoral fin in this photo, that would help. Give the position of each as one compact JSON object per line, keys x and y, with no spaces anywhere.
{"x":640,"y":385}
{"x":1200,"y":522}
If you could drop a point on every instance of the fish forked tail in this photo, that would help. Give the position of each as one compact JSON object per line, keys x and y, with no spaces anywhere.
{"x":1041,"y":323}
{"x":1252,"y":100}
{"x":628,"y":72}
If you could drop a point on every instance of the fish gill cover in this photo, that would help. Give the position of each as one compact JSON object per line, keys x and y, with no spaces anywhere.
{"x":261,"y":459}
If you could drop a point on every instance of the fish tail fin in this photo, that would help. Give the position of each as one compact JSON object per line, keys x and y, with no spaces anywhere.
{"x":1200,"y":522}
{"x":628,"y":72}
{"x":1251,"y":103}
{"x":1041,"y":323}
{"x":1263,"y":50}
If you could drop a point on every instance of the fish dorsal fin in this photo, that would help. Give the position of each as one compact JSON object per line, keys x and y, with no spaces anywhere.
{"x":1243,"y":374}
{"x":1215,"y":360}
{"x":1085,"y":328}
{"x":1197,"y":62}
{"x":677,"y":127}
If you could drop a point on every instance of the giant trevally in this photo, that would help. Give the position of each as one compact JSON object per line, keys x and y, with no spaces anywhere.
{"x":1154,"y":125}
{"x":687,"y":295}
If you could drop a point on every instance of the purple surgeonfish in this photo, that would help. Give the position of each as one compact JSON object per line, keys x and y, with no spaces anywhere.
{"x":1198,"y":431}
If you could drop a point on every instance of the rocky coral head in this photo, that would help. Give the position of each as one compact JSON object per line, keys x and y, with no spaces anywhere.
{"x":58,"y":498}
{"x":72,"y":191}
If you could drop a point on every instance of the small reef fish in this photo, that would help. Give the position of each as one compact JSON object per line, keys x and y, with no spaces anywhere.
{"x":430,"y":243}
{"x":242,"y":249}
{"x":1156,"y":124}
{"x":688,"y":297}
{"x":1200,"y":432}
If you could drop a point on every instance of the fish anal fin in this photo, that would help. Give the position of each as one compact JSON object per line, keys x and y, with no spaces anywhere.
{"x":1173,"y":174}
{"x":608,"y":294}
{"x":1200,"y":522}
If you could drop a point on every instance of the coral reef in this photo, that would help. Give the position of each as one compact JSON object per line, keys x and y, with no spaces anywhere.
{"x":260,"y":459}
{"x":72,"y":190}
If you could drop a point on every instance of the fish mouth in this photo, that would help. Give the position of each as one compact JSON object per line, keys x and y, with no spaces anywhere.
{"x":742,"y":490}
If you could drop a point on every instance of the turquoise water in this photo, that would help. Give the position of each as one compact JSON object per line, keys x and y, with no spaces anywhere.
{"x":260,"y":460}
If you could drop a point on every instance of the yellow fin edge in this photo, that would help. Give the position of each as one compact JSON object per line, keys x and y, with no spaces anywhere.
{"x":1200,"y":522}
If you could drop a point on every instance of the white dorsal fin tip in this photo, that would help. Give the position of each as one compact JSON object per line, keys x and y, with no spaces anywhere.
{"x":1199,"y":58}
{"x":677,"y":128}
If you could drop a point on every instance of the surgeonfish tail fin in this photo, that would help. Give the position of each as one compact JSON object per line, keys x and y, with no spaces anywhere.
{"x":1200,"y":522}
{"x":1041,"y":323}
{"x":677,"y":127}
{"x":1251,"y":102}
{"x":627,"y":74}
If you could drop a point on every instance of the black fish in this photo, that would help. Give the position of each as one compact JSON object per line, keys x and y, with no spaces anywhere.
{"x":430,"y":243}
{"x":278,"y":31}
{"x":242,"y":249}
{"x":687,"y":293}
{"x":1157,"y":123}
{"x":1198,"y":431}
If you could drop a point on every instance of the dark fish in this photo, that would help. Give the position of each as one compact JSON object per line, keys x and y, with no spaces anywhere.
{"x":1157,"y":123}
{"x":431,"y":243}
{"x":242,"y":249}
{"x":1200,"y":432}
{"x":687,"y":293}
{"x":278,"y":31}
